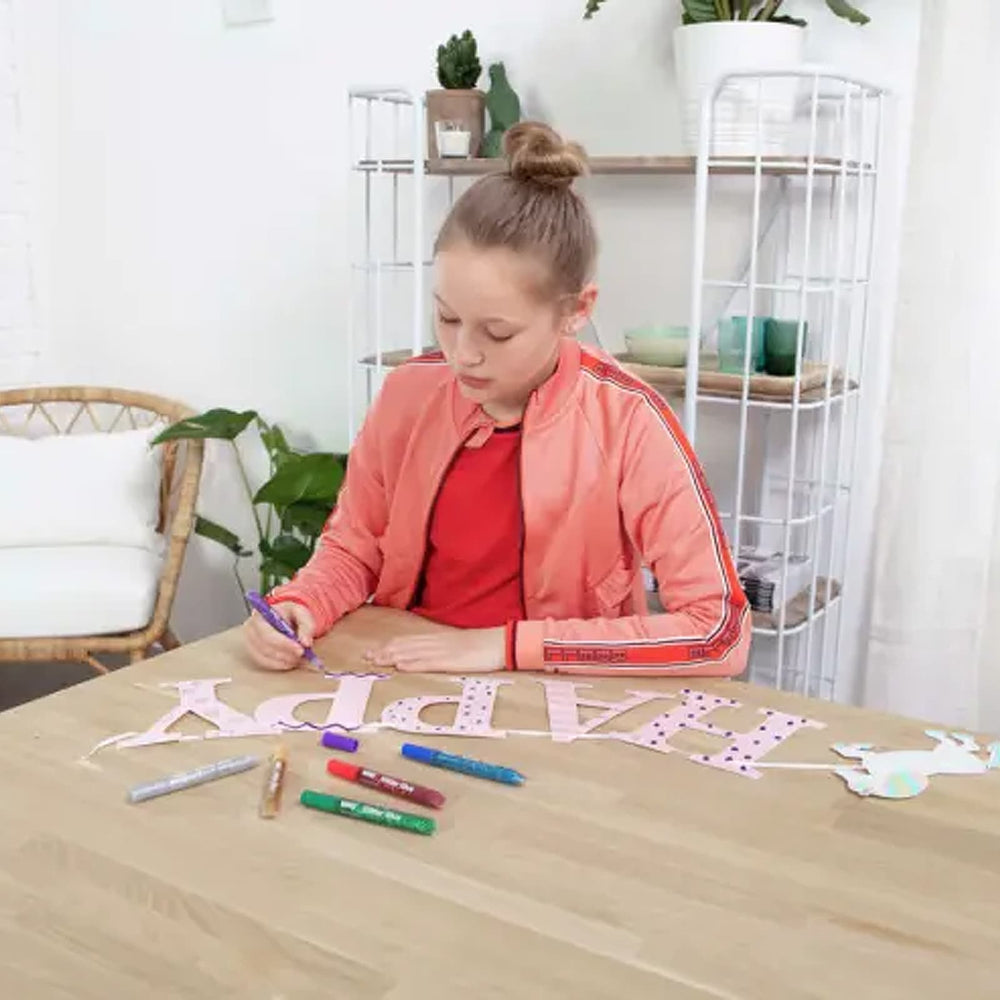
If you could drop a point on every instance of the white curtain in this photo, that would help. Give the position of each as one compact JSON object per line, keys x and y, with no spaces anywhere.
{"x":934,"y":643}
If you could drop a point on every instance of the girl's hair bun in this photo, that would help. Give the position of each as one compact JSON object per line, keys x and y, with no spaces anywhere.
{"x":537,"y":154}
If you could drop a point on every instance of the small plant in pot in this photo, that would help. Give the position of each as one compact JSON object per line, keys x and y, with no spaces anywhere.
{"x":459,"y":102}
{"x":716,"y":37}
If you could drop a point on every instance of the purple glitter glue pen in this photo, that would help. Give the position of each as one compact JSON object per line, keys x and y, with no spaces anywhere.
{"x":277,"y":622}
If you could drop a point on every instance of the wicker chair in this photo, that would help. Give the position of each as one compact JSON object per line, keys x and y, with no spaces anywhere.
{"x":69,"y":409}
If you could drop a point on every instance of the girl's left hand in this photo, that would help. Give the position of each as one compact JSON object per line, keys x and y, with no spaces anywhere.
{"x":451,"y":651}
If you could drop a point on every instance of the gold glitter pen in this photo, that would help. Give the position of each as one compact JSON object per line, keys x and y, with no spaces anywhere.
{"x":270,"y":799}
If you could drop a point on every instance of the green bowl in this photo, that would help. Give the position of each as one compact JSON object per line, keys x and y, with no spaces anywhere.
{"x":658,"y":345}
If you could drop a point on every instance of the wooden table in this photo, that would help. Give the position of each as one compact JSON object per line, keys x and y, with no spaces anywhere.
{"x":614,"y":872}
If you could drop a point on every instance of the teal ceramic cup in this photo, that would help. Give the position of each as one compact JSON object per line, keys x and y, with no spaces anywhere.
{"x":733,"y":344}
{"x":780,"y":345}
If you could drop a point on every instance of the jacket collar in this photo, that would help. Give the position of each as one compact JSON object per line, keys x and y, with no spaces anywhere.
{"x":545,"y":404}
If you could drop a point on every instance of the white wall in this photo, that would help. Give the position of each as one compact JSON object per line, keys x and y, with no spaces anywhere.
{"x":199,"y":197}
{"x":28,"y":71}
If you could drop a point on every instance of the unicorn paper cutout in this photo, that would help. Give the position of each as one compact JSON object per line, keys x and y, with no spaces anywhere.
{"x":901,"y":774}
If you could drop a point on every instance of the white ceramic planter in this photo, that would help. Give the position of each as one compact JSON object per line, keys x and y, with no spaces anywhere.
{"x":704,"y":52}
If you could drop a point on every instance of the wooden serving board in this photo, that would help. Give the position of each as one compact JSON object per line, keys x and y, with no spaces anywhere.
{"x":774,"y":388}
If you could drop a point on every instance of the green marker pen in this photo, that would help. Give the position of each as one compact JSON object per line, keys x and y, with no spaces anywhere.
{"x":369,"y":813}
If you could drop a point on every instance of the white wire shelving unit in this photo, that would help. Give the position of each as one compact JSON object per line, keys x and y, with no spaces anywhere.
{"x":788,"y":445}
{"x":810,"y":256}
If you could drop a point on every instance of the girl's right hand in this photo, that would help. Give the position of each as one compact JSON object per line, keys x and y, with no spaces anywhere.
{"x":268,"y":648}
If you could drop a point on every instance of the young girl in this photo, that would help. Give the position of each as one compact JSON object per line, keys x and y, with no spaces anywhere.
{"x":512,"y":486}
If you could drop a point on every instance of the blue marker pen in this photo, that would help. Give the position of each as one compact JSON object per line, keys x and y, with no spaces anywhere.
{"x":277,"y":622}
{"x":464,"y":765}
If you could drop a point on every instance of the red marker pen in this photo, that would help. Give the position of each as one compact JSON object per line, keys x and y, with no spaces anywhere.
{"x":385,"y":783}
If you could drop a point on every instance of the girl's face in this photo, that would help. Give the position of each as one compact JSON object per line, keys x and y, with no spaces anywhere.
{"x":500,"y":338}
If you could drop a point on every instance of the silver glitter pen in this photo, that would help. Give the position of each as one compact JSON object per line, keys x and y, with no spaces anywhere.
{"x":187,"y":779}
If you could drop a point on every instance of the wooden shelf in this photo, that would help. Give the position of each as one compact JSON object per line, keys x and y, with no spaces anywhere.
{"x":765,"y":390}
{"x":797,"y":610}
{"x":390,"y":359}
{"x":634,"y":166}
{"x":605,"y":165}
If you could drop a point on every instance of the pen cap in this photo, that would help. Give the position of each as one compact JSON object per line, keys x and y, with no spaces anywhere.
{"x":415,"y":752}
{"x":342,"y":769}
{"x":334,"y":741}
{"x":317,"y":800}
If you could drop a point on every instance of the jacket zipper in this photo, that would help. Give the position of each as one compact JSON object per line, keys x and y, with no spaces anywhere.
{"x":523,"y":531}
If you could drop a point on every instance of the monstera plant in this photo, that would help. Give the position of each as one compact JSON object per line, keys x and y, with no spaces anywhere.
{"x":703,"y":11}
{"x":289,"y":509}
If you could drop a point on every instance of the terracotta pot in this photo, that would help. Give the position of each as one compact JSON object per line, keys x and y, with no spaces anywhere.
{"x":465,"y":106}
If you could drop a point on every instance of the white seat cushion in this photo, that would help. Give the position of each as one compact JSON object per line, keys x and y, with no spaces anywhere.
{"x":80,"y":489}
{"x":76,"y":590}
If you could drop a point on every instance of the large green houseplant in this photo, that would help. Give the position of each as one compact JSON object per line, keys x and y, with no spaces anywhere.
{"x":297,"y":498}
{"x":704,"y":11}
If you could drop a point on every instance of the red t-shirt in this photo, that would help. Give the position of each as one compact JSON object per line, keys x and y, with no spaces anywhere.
{"x":472,"y":565}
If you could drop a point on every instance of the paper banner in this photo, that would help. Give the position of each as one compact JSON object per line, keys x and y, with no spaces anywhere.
{"x":198,"y":698}
{"x":347,"y":705}
{"x":473,"y":714}
{"x":110,"y":741}
{"x":655,"y":733}
{"x":564,"y":704}
{"x":744,"y":749}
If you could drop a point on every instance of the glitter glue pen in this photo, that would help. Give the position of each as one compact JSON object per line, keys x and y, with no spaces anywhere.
{"x":270,"y":797}
{"x":175,"y":782}
{"x":384,"y":783}
{"x":367,"y":812}
{"x":464,"y":765}
{"x":277,"y":622}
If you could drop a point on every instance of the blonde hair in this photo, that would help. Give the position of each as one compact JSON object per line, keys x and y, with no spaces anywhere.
{"x":531,"y":208}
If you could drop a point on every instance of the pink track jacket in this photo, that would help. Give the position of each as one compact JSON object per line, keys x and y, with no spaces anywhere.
{"x":608,"y":483}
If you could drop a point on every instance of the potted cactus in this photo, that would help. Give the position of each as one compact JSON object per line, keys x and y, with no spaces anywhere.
{"x":459,"y":104}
